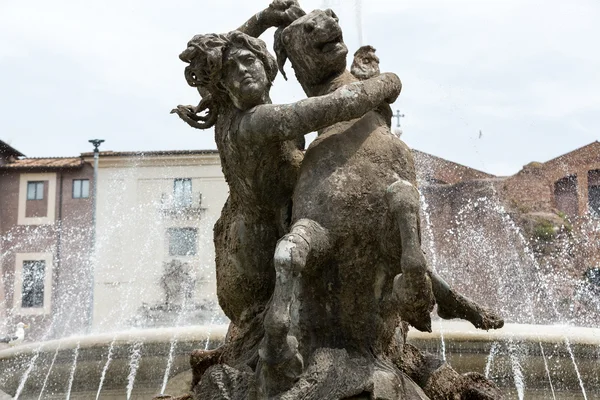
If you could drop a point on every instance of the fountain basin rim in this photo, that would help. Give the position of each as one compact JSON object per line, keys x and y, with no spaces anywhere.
{"x":131,"y":336}
{"x":460,"y":331}
{"x":453,"y":331}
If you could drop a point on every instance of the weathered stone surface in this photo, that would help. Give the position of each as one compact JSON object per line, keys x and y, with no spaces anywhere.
{"x":315,"y":281}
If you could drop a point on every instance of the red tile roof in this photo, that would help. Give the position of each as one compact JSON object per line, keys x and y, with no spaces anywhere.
{"x":152,"y":153}
{"x":45,"y":163}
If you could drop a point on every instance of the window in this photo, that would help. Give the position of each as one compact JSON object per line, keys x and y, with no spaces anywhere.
{"x":33,"y":284}
{"x":183,"y":241}
{"x":182,"y":192}
{"x":81,"y":188}
{"x":35,"y":190}
{"x":594,"y":199}
{"x":565,"y":195}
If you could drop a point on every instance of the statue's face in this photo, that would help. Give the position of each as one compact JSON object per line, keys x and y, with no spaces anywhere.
{"x":245,"y":79}
{"x":315,"y":46}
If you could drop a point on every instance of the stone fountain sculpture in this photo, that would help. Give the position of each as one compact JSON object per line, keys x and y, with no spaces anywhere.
{"x":319,"y":264}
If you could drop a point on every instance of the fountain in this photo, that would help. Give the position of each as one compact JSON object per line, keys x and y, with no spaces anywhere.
{"x":470,"y":239}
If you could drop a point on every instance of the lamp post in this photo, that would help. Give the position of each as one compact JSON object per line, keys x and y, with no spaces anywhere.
{"x":96,"y":143}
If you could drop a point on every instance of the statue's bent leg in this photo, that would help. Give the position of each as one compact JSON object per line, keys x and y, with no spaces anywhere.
{"x":292,"y":251}
{"x":282,"y":362}
{"x":413,"y":286}
{"x":451,"y":304}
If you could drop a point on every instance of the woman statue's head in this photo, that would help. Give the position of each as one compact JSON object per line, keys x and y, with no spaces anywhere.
{"x":233,"y":66}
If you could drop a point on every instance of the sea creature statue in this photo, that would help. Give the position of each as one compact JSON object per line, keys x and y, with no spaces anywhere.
{"x":351,"y":266}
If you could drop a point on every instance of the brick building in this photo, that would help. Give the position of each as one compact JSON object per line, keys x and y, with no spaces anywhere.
{"x":433,"y":169}
{"x":45,"y":227}
{"x":569,"y":183}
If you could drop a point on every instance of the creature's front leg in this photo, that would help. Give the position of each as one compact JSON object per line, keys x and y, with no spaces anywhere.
{"x":413,"y":286}
{"x":452,"y":304}
{"x":282,"y":363}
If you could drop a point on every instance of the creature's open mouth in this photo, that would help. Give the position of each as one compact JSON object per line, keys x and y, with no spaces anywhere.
{"x":331,"y":44}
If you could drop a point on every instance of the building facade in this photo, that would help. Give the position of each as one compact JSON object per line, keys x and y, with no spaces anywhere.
{"x":45,"y":227}
{"x":153,"y":259}
{"x":437,"y":170}
{"x":154,"y":240}
{"x":569,"y":183}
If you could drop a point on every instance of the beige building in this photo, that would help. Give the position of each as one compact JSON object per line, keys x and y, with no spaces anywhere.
{"x":154,"y":208}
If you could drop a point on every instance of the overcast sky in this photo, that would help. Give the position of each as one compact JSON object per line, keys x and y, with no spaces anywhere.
{"x":526,"y":73}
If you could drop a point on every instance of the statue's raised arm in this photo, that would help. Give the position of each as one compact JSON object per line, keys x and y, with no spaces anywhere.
{"x":278,"y":13}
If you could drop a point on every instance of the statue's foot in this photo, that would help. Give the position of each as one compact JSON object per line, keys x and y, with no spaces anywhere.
{"x":201,"y":360}
{"x":458,"y":306}
{"x":415,"y":295}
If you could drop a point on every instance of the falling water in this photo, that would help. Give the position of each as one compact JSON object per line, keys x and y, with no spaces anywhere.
{"x":508,"y":221}
{"x":73,"y":368}
{"x":536,"y":265}
{"x":26,"y":374}
{"x":576,"y":368}
{"x":172,"y":351}
{"x":169,"y":364}
{"x":108,"y":360}
{"x":547,"y":370}
{"x":49,"y":371}
{"x":428,"y":231}
{"x":490,"y":359}
{"x":517,"y":371}
{"x":134,"y":363}
{"x":212,"y":322}
{"x":33,"y":360}
{"x":443,"y":342}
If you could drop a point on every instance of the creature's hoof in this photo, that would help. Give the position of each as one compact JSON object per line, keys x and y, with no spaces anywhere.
{"x":489,"y":320}
{"x":423,"y":324}
{"x":458,"y":306}
{"x":415,"y":295}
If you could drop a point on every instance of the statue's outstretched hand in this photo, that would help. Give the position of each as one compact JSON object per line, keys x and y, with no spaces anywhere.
{"x":283,"y":12}
{"x":191,"y":114}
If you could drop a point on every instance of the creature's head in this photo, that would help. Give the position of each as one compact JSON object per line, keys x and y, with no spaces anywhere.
{"x":234,"y":66}
{"x":315,"y":46}
{"x":365,"y":64}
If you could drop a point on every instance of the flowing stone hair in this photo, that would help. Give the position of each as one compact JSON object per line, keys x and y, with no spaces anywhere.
{"x":207,"y":55}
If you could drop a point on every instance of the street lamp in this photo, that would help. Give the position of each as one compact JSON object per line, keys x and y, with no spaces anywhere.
{"x":96,"y":143}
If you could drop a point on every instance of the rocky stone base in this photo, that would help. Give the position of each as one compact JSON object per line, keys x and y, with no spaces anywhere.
{"x":333,"y":374}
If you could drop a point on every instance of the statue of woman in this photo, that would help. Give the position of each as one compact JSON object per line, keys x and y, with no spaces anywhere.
{"x":260,"y":148}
